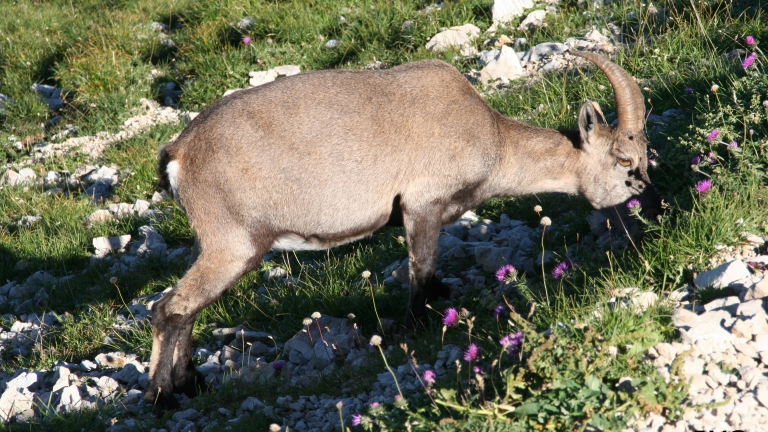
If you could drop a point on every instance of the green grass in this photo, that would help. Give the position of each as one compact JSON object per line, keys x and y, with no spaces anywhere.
{"x":104,"y":55}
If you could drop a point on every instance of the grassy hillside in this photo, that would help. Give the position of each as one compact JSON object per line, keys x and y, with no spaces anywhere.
{"x":109,"y":55}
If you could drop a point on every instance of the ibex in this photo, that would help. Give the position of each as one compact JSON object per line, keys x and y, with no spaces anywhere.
{"x":324,"y":158}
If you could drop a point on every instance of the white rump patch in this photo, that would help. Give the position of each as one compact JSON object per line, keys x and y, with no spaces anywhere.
{"x":173,"y":176}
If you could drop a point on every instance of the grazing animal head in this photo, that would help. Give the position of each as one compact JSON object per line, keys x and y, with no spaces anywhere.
{"x":616,"y":173}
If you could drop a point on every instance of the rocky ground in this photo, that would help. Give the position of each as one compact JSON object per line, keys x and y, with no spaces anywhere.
{"x":723,"y":353}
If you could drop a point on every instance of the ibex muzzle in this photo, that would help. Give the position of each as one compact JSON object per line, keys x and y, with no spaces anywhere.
{"x":323,"y":158}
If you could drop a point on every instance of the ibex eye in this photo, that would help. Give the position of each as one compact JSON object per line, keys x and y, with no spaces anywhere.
{"x":625,"y":162}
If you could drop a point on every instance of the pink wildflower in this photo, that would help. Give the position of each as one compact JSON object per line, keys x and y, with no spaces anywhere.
{"x":703,"y":186}
{"x":357,"y":419}
{"x":451,"y":317}
{"x":429,"y":377}
{"x":505,"y":271}
{"x":750,"y":40}
{"x":246,"y":40}
{"x":512,"y":341}
{"x":712,"y":135}
{"x":561,"y":268}
{"x":471,"y":353}
{"x":633,"y":203}
{"x":749,"y":60}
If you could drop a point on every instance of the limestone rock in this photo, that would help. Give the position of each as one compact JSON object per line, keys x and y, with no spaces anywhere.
{"x":534,"y":19}
{"x":454,"y":37}
{"x":504,"y":67}
{"x":504,"y":11}
{"x":724,"y":275}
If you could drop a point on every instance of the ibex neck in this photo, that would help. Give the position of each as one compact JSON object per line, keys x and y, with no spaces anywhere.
{"x":534,"y":160}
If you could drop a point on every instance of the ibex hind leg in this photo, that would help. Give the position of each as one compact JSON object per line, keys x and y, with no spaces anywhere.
{"x":422,"y":228}
{"x":219,"y":265}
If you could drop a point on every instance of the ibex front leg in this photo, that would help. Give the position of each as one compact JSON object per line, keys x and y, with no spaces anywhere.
{"x":422,"y":227}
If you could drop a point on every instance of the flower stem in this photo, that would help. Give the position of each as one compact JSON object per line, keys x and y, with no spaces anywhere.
{"x":390,"y":371}
{"x":543,"y":255}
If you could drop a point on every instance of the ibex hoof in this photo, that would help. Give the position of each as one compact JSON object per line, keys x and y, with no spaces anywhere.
{"x":161,"y":402}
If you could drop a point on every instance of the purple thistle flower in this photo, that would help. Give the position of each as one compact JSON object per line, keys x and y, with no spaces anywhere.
{"x":511,"y":342}
{"x":749,"y":60}
{"x":688,"y":90}
{"x":246,"y":40}
{"x":703,"y":186}
{"x":750,"y":40}
{"x":498,"y":311}
{"x":712,"y":158}
{"x":652,"y":163}
{"x":471,"y":353}
{"x":695,"y":160}
{"x":357,"y":419}
{"x":561,"y":268}
{"x":633,"y":203}
{"x":712,"y":135}
{"x":504,"y":271}
{"x":375,"y":405}
{"x":278,"y":365}
{"x":451,"y":317}
{"x":733,"y":145}
{"x":429,"y":377}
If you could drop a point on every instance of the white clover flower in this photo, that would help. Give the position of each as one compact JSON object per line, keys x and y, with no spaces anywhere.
{"x":316,"y":315}
{"x":715,"y":88}
{"x":351,"y":316}
{"x":375,"y":340}
{"x":537,"y":209}
{"x":546,"y":221}
{"x":113,"y":280}
{"x":307,"y":321}
{"x":366,"y":274}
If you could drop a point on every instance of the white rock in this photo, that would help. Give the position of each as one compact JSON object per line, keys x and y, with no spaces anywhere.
{"x":750,"y":308}
{"x":26,"y":381}
{"x":644,"y":300}
{"x":454,"y":37}
{"x":287,"y":70}
{"x":25,"y":176}
{"x":534,"y":19}
{"x":13,"y":404}
{"x":595,"y":36}
{"x":70,"y":399}
{"x":140,"y":206}
{"x":757,"y":291}
{"x":597,"y":223}
{"x":121,"y":210}
{"x":708,"y":331}
{"x":724,"y":275}
{"x":543,"y":50}
{"x":261,"y":78}
{"x":504,"y":11}
{"x":99,"y":216}
{"x":251,"y":404}
{"x":729,"y":304}
{"x":106,"y":245}
{"x":504,"y":67}
{"x":761,"y":394}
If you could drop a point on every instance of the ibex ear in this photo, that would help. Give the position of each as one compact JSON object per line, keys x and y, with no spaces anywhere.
{"x":587,"y":125}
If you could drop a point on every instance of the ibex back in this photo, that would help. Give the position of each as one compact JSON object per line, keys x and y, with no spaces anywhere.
{"x":323,"y":158}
